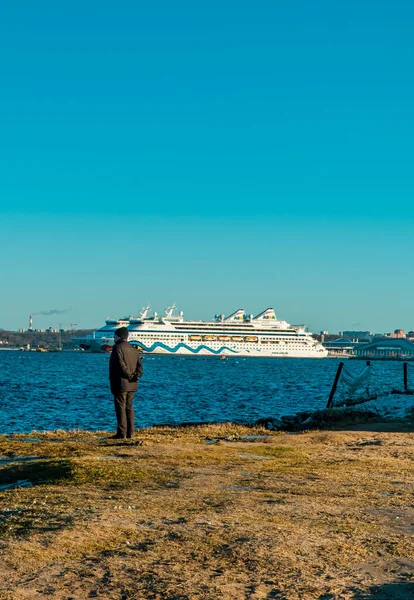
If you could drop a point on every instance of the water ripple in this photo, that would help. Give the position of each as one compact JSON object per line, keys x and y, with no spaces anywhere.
{"x":70,"y":390}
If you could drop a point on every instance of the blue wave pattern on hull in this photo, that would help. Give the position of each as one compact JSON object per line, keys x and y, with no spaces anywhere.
{"x":181,"y":345}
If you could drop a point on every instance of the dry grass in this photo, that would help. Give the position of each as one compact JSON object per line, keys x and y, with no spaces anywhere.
{"x":321,"y":515}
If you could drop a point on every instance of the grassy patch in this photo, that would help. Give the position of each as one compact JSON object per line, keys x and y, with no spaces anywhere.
{"x":289,"y":453}
{"x":38,"y":471}
{"x":120,"y":474}
{"x":93,"y":471}
{"x":298,"y":517}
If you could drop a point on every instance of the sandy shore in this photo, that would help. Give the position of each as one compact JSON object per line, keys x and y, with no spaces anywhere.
{"x":208,"y":513}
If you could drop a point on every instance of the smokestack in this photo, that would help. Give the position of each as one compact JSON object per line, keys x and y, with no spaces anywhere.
{"x":30,"y":322}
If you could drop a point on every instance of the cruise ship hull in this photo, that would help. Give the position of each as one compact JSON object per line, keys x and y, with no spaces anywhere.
{"x":182,"y":349}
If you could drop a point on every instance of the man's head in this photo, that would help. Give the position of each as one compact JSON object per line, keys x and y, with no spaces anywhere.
{"x":121,"y":334}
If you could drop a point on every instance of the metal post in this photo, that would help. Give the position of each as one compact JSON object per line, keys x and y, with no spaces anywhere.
{"x":335,"y":384}
{"x":405,"y":377}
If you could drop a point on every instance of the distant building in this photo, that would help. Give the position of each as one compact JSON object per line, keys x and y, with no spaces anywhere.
{"x":386,"y":349}
{"x":398,"y":333}
{"x":361,"y":336}
{"x":340,"y":347}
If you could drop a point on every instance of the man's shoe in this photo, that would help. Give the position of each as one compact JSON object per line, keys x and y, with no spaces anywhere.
{"x":117,"y":437}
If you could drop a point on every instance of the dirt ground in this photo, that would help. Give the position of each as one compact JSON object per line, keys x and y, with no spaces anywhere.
{"x":208,"y":513}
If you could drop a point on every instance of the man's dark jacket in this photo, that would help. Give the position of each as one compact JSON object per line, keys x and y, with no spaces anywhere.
{"x":125,"y":368}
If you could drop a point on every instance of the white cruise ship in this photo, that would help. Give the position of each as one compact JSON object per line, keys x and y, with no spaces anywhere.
{"x":239,"y":334}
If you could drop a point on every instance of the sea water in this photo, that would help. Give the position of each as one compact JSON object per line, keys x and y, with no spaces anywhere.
{"x":70,"y":390}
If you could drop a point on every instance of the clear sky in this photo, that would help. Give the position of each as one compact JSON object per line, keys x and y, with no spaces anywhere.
{"x":221,"y":155}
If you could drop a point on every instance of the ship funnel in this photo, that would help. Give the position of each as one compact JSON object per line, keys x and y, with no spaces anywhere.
{"x":267,"y":314}
{"x":236,"y":316}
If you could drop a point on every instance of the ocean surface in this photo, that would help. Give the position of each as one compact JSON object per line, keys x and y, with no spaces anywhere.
{"x":70,"y":390}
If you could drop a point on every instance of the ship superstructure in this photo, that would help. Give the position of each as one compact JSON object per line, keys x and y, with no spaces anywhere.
{"x":239,"y":334}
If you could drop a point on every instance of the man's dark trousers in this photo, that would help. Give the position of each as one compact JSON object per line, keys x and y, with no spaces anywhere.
{"x":124,"y":413}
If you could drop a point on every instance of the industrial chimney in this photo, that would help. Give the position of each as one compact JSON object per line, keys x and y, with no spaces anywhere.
{"x":30,"y":322}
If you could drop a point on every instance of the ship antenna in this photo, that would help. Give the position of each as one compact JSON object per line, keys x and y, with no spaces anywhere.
{"x":169,"y":311}
{"x":144,"y":310}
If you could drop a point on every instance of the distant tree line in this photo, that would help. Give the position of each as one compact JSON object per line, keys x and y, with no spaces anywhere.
{"x":46,"y":339}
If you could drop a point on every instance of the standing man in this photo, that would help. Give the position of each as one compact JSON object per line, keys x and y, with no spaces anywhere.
{"x":125,"y":369}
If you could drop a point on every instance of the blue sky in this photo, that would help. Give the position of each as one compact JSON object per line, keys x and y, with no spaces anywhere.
{"x":221,"y":155}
